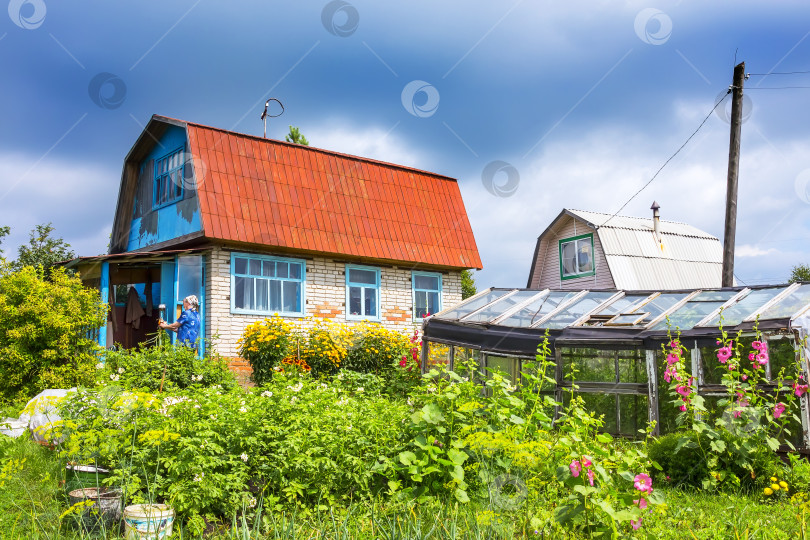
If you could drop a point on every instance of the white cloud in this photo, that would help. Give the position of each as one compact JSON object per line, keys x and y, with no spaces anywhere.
{"x":747,"y":250}
{"x":370,"y":142}
{"x":77,"y":197}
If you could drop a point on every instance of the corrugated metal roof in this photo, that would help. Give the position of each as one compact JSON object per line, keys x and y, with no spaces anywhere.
{"x":685,"y":258}
{"x":598,"y":219}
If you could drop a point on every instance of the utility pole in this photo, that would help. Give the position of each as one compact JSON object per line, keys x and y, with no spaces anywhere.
{"x":733,"y":171}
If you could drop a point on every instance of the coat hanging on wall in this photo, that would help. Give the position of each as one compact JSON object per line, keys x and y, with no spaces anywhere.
{"x":134,"y":310}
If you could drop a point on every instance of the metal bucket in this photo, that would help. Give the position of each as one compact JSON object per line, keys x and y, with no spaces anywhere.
{"x":148,"y":521}
{"x":84,"y":476}
{"x":103,"y":514}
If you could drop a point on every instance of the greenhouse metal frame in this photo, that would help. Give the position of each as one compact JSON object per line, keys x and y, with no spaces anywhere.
{"x":609,"y":342}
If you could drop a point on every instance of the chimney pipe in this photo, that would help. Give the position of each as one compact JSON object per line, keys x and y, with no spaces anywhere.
{"x":656,"y":221}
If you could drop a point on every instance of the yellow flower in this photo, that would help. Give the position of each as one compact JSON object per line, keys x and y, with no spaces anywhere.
{"x":783,"y":485}
{"x":775,"y":487}
{"x":773,"y":479}
{"x":767,"y":491}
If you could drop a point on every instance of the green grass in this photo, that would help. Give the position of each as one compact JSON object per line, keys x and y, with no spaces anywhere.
{"x":32,"y":501}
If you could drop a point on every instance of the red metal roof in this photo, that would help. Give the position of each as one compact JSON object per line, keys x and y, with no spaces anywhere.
{"x":268,"y":192}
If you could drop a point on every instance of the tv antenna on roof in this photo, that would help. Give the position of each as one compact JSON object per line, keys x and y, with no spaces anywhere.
{"x":265,"y":115}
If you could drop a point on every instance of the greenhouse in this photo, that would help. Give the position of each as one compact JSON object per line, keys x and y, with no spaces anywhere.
{"x":611,"y":343}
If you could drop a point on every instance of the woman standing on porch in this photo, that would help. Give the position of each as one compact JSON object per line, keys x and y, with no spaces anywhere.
{"x":187,"y":325}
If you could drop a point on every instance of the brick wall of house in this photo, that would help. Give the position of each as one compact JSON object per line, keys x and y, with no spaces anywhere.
{"x":325,"y":298}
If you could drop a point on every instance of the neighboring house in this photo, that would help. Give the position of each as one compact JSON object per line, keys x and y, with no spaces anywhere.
{"x":255,"y":226}
{"x":590,"y":250}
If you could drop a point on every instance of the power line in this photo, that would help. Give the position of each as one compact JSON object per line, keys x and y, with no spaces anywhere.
{"x":777,"y":73}
{"x":776,"y":87}
{"x":670,"y":157}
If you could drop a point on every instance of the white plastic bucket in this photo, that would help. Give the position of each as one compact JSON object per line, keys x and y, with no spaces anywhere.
{"x":148,"y":521}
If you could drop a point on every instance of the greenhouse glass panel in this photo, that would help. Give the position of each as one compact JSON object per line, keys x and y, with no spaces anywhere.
{"x":661,"y":304}
{"x":632,"y":366}
{"x":622,"y":305}
{"x":438,"y":355}
{"x":790,"y":305}
{"x":695,"y":310}
{"x":783,"y":358}
{"x":473,"y":304}
{"x":576,"y":310}
{"x":735,"y":313}
{"x":602,"y":405}
{"x":503,"y":364}
{"x":631,"y":319}
{"x":634,"y":414}
{"x":538,"y":309}
{"x":499,"y":307}
{"x":588,"y":365}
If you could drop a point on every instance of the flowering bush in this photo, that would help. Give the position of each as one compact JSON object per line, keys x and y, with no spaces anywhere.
{"x":163,"y":365}
{"x":376,"y":349}
{"x":264,"y":344}
{"x":324,"y":350}
{"x":753,"y":412}
{"x":45,"y":332}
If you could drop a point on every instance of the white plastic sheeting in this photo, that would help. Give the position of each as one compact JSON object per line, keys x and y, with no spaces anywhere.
{"x":39,"y":414}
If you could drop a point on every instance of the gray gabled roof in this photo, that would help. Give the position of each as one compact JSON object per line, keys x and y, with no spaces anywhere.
{"x":681,"y":257}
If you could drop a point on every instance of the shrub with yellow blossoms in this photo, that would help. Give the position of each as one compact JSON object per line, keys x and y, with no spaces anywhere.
{"x":324,"y":350}
{"x":265,"y":344}
{"x":375,"y":349}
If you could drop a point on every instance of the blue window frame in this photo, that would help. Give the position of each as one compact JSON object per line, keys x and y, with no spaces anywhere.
{"x":263,"y":285}
{"x":362,"y":293}
{"x":427,"y":294}
{"x":171,"y":173}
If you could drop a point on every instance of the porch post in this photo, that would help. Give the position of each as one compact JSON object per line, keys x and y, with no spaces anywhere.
{"x":105,"y":297}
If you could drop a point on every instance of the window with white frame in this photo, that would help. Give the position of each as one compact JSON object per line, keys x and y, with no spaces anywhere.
{"x":170,"y":176}
{"x":265,"y":285}
{"x":576,"y":257}
{"x":427,"y":294}
{"x":362,"y":292}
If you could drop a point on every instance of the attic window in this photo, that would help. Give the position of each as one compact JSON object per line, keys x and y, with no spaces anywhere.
{"x":170,"y":176}
{"x":576,"y":257}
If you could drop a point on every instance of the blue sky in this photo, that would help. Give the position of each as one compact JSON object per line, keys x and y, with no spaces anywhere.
{"x":585,"y":100}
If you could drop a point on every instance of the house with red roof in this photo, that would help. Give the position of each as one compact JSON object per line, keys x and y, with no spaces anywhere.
{"x":255,"y":226}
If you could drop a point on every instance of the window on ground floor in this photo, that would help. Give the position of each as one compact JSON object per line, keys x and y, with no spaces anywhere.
{"x":264,"y":285}
{"x":427,"y":294}
{"x":362,"y":292}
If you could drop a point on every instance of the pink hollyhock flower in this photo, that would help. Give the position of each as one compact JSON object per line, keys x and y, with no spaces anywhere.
{"x":762,"y":358}
{"x":575,"y":467}
{"x":643,"y":483}
{"x":724,"y":354}
{"x":683,"y":390}
{"x":642,"y":503}
{"x":745,"y":377}
{"x":800,"y":389}
{"x":667,"y":376}
{"x":778,"y":409}
{"x":674,"y":345}
{"x":752,"y":357}
{"x":590,"y":476}
{"x":636,"y":523}
{"x":403,"y":362}
{"x":683,"y":408}
{"x":757,"y":345}
{"x":672,"y":359}
{"x":586,"y":461}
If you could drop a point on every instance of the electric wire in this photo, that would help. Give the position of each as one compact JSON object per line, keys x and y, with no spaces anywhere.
{"x":670,"y":158}
{"x":777,"y":73}
{"x":775,"y":87}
